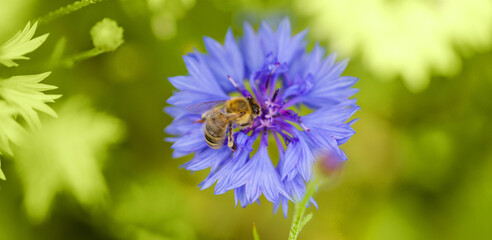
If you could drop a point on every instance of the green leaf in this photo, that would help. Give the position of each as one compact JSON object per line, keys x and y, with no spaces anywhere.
{"x":25,"y":94}
{"x":305,"y":220}
{"x":256,"y":236}
{"x":10,"y":130}
{"x":58,"y":51}
{"x":66,"y":154}
{"x":22,"y":43}
{"x":21,"y":95}
{"x":2,"y":176}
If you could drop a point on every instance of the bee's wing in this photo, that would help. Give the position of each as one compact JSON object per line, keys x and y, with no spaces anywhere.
{"x":232,"y":116}
{"x":202,"y":107}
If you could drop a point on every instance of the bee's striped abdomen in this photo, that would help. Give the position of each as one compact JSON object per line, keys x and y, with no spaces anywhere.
{"x":215,"y":131}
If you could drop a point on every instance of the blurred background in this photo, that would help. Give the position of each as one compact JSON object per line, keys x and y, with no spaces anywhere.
{"x":419,"y":165}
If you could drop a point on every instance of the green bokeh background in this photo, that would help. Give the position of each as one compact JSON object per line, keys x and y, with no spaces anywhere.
{"x":419,"y":165}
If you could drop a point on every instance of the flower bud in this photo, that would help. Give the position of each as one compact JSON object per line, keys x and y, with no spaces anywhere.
{"x":328,"y":165}
{"x":107,"y":35}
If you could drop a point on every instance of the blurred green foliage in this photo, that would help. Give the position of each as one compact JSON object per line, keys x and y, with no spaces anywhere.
{"x":409,"y":39}
{"x":66,"y":154}
{"x":419,"y":166}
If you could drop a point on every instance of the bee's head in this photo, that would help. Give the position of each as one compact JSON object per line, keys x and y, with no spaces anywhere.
{"x":256,"y":109}
{"x":254,"y":106}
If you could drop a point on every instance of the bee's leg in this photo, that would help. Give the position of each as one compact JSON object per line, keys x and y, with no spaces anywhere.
{"x":230,"y":139}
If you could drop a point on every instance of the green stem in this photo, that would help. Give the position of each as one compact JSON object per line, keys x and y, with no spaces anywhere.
{"x":67,"y":9}
{"x":82,"y":56}
{"x":298,"y":220}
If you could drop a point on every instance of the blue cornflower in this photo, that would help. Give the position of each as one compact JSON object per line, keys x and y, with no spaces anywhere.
{"x":276,"y":69}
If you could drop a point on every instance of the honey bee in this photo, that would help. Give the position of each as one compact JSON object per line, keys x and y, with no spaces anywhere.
{"x":221,"y":116}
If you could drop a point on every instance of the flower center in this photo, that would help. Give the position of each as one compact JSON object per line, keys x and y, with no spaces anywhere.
{"x":275,"y":116}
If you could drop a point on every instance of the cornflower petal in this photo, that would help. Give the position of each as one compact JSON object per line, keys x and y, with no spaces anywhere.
{"x":296,"y":188}
{"x":225,"y":61}
{"x":207,"y":158}
{"x":198,"y":69}
{"x":240,"y":196}
{"x":259,"y":176}
{"x":266,"y":37}
{"x":298,"y":159}
{"x":226,"y":171}
{"x":250,"y":46}
{"x":235,"y":57}
{"x":187,"y":144}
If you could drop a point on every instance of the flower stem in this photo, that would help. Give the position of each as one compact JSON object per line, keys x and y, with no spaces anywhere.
{"x":67,"y":9}
{"x":299,"y":220}
{"x":82,"y":56}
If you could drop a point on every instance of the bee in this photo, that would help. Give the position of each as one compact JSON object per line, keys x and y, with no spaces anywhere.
{"x":221,"y":116}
